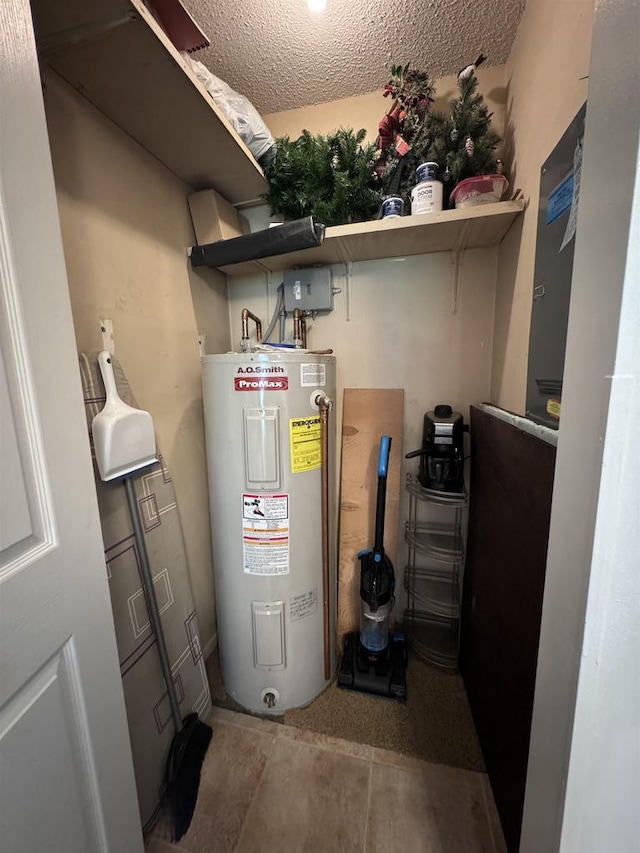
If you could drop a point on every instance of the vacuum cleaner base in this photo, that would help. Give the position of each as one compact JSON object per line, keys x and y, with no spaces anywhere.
{"x":385,"y":677}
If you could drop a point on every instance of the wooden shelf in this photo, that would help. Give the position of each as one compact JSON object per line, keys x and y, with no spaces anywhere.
{"x":468,"y":228}
{"x":115,"y":54}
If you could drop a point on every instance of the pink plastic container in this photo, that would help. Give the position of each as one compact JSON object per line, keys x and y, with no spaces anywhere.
{"x":483,"y":189}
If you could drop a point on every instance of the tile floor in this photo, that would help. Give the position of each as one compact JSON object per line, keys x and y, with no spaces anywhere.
{"x":269,"y":788}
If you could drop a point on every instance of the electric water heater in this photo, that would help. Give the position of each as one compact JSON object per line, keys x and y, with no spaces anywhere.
{"x":270,"y":436}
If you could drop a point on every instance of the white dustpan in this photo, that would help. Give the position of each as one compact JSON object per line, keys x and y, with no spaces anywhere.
{"x":123,"y":437}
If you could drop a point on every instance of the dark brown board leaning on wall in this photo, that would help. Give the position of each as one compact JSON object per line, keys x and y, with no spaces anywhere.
{"x":511,"y":486}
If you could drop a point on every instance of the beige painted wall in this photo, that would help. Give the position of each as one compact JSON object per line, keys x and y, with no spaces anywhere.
{"x":393,"y":326}
{"x":550,"y":55}
{"x":125,"y":227}
{"x":399,"y":330}
{"x":367,"y":110}
{"x":533,"y":98}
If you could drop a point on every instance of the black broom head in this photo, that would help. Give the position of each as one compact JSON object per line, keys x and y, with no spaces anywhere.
{"x":182,"y":775}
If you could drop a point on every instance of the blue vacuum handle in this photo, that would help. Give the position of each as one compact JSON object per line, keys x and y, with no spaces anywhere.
{"x":383,"y":458}
{"x":383,"y":463}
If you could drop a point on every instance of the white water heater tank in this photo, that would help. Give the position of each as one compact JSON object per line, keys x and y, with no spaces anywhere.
{"x":274,"y":606}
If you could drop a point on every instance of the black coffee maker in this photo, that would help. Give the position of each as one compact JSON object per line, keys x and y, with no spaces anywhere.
{"x":442,"y":451}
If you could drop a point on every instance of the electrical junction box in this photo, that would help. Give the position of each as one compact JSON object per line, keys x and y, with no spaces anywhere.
{"x":308,"y":289}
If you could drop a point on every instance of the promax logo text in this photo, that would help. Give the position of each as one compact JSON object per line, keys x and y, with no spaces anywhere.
{"x":280,"y":384}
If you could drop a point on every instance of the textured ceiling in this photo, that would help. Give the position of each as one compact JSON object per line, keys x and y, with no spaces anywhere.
{"x":281,"y":55}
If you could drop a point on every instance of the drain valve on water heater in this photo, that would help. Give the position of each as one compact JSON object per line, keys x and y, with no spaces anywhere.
{"x":270,"y":696}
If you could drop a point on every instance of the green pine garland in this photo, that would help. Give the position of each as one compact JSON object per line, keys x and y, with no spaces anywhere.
{"x":330,"y":177}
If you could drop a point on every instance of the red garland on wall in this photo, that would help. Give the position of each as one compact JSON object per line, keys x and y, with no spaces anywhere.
{"x":412,"y":92}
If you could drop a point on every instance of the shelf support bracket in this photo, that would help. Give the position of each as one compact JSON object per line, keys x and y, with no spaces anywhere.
{"x":348,"y":267}
{"x":267,"y":285}
{"x":456,"y":260}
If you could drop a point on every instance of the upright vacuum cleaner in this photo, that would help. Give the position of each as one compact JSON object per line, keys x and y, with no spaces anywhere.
{"x":375,"y":659}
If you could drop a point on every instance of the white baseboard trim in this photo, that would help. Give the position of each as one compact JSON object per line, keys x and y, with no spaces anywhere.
{"x":210,"y":647}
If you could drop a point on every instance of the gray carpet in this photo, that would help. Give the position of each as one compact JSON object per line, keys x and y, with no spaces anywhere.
{"x":435,"y":724}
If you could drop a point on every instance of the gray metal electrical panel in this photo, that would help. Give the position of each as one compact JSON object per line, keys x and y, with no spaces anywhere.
{"x":308,"y":289}
{"x":559,"y":196}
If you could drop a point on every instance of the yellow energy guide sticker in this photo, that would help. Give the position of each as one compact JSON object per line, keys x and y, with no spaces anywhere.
{"x":553,"y":407}
{"x":304,"y":443}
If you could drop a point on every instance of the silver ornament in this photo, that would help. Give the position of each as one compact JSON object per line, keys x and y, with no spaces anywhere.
{"x":470,"y":146}
{"x":454,"y":134}
{"x":499,"y":167}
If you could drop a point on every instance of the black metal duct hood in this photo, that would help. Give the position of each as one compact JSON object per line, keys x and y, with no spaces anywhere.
{"x":288,"y":237}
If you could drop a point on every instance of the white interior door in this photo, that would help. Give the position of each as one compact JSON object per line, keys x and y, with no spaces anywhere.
{"x":66,"y":775}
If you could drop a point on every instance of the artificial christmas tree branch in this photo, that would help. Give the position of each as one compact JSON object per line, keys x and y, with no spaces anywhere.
{"x":461,"y":142}
{"x":330,"y":177}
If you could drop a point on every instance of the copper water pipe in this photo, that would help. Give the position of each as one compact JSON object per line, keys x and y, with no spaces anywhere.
{"x":246,"y":315}
{"x":297,"y":327}
{"x":324,"y":404}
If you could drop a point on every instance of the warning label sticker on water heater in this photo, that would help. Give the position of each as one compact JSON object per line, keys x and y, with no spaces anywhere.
{"x":313,"y":375}
{"x":304,"y":443}
{"x":265,"y":506}
{"x":265,"y":534}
